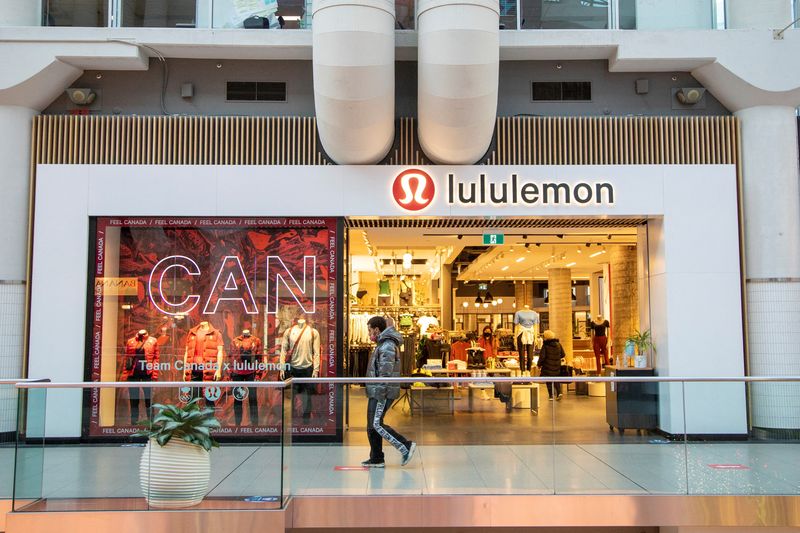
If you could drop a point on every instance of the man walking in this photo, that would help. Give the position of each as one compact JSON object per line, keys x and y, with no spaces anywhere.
{"x":384,"y":362}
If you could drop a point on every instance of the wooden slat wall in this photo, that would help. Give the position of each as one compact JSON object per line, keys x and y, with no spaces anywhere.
{"x":616,"y":141}
{"x":111,"y":140}
{"x":116,"y":140}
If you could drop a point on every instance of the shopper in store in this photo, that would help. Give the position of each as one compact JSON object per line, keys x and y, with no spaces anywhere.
{"x":600,"y":342}
{"x":551,"y":358}
{"x":384,"y":362}
{"x":488,"y":343}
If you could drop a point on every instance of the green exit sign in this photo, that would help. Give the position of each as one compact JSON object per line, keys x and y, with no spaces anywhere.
{"x":491,"y":239}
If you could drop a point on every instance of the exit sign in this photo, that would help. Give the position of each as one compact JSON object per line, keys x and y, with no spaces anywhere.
{"x":491,"y":239}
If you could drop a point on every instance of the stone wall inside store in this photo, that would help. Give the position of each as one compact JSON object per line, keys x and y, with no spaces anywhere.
{"x":624,"y":296}
{"x":559,"y":285}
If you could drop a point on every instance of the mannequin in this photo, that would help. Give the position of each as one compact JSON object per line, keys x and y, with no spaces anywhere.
{"x":300,"y":359}
{"x":140,"y":363}
{"x":246,"y":352}
{"x":526,"y":330}
{"x":202,"y":358}
{"x":600,"y":341}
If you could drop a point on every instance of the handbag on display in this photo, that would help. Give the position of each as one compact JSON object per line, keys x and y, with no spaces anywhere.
{"x":565,"y":371}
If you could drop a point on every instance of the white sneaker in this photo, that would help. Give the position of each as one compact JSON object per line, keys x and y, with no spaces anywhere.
{"x":407,"y":457}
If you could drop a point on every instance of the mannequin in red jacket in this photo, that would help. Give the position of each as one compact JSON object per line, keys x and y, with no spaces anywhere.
{"x":140,"y":363}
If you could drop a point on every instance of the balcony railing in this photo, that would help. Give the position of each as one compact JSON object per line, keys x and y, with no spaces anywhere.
{"x":296,"y":14}
{"x":631,"y":436}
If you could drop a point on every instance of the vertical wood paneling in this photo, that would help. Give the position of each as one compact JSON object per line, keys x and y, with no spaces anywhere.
{"x":60,"y":139}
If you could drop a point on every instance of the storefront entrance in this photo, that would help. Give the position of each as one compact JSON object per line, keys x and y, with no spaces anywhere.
{"x":474,"y":296}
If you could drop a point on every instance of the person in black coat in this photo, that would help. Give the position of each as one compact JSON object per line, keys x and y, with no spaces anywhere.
{"x":550,"y":360}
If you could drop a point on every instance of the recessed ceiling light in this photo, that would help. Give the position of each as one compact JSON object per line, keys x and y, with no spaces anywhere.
{"x":504,"y":268}
{"x":520,"y":260}
{"x":597,"y":253}
{"x":571,"y":264}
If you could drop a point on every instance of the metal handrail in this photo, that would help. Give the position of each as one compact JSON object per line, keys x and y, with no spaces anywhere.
{"x":14,"y":381}
{"x":402,"y":380}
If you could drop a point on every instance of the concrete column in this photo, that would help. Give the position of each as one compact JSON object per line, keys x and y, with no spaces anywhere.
{"x":20,"y":13}
{"x":766,"y":14}
{"x":446,"y":286}
{"x":595,"y":297}
{"x":624,"y":295}
{"x":559,"y":286}
{"x":771,"y":194}
{"x":523,"y":293}
{"x":15,"y":124}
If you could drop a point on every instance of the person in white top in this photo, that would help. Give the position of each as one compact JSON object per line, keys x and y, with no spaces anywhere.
{"x":527,"y":328}
{"x":300,"y":359}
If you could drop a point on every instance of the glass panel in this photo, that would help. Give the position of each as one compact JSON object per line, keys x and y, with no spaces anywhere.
{"x":564,"y":14}
{"x":29,"y":451}
{"x":8,"y":431}
{"x":256,"y":13}
{"x":128,"y":472}
{"x":723,"y":458}
{"x":610,"y":440}
{"x":333,"y":466}
{"x":206,"y":299}
{"x":627,"y":14}
{"x":673,"y":15}
{"x":86,"y":13}
{"x":404,"y":13}
{"x":159,"y":13}
{"x":508,"y":14}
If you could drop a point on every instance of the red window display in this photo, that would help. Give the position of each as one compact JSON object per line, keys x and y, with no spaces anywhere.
{"x":213,"y":299}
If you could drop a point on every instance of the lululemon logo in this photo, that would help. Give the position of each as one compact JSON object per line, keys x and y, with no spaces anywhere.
{"x":413,"y":189}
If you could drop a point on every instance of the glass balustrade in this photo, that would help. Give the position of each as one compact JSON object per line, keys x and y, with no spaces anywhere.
{"x":476,"y":435}
{"x":114,"y":468}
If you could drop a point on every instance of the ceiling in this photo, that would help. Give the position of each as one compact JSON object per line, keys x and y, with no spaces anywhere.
{"x":546,"y":248}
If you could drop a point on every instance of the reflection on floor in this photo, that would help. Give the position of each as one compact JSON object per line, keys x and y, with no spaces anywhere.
{"x":565,"y":449}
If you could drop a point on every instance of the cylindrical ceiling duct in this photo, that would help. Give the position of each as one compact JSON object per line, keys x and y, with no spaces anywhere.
{"x":459,"y":56}
{"x":353,"y":53}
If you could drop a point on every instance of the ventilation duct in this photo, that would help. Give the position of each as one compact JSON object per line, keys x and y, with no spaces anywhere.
{"x":353,"y":53}
{"x":459,"y":55}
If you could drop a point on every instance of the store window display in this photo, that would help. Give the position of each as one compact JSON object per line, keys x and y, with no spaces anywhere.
{"x":217,"y":296}
{"x":141,"y":362}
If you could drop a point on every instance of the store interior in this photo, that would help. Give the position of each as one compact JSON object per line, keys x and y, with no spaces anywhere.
{"x":447,"y":285}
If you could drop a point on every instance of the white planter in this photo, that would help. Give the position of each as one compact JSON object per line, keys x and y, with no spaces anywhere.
{"x":175,"y":475}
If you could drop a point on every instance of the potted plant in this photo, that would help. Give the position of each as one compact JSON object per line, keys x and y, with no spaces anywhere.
{"x":643,"y":342}
{"x":175,"y":465}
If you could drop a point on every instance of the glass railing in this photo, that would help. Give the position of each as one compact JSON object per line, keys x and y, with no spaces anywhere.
{"x":8,"y":430}
{"x":115,"y":469}
{"x":473,"y":435}
{"x":499,"y":436}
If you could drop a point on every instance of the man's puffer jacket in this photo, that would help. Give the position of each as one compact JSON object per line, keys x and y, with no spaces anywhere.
{"x":385,"y":362}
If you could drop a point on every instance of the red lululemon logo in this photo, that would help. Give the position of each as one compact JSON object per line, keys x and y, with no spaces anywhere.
{"x":413,"y":189}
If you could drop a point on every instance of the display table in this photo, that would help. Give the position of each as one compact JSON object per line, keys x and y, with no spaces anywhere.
{"x":432,"y":400}
{"x":631,"y":405}
{"x":523,"y":395}
{"x":469,"y":371}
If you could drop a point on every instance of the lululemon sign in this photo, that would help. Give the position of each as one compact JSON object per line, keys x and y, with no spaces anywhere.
{"x":413,"y":189}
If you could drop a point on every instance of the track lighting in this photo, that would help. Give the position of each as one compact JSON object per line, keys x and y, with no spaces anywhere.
{"x":460,"y":237}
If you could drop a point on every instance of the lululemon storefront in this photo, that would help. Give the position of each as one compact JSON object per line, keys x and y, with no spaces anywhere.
{"x":201,"y":270}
